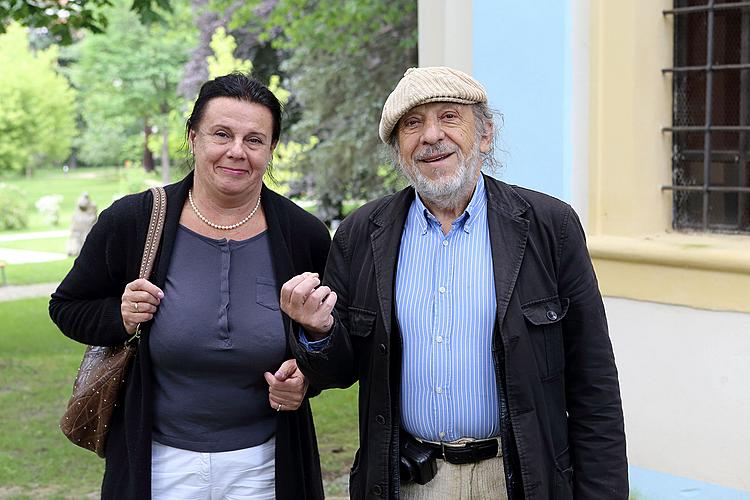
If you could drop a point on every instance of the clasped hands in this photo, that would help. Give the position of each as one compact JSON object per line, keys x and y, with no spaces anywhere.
{"x":140,"y":301}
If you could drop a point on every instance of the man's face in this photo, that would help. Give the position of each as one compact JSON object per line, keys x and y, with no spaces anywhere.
{"x":439,"y":149}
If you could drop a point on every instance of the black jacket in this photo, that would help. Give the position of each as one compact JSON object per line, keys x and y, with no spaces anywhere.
{"x":560,"y":409}
{"x":86,"y":307}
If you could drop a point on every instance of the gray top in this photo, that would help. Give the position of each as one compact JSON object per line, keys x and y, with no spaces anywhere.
{"x":209,"y":357}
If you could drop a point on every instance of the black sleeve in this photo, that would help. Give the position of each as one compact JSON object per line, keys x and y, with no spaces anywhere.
{"x":595,"y":420}
{"x":332,"y":366}
{"x":86,"y":305}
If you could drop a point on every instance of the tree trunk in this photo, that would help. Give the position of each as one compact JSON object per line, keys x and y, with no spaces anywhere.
{"x":165,"y":155}
{"x":148,"y":157}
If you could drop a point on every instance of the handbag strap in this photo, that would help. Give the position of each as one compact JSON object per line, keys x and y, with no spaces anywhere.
{"x":155,"y":228}
{"x":153,"y":237}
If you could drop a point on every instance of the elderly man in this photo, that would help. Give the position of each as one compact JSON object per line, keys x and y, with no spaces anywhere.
{"x":469,"y":313}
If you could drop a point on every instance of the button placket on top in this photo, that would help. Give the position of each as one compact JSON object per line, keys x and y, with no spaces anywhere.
{"x":226,"y":261}
{"x":442,"y":321}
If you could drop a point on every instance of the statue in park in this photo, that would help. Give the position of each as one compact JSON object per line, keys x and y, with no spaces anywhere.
{"x":84,"y":219}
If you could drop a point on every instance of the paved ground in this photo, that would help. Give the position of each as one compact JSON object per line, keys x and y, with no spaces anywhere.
{"x":34,"y":236}
{"x":17,"y":256}
{"x":15,"y":292}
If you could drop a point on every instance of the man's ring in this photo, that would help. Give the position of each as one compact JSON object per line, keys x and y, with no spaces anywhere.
{"x":278,"y":408}
{"x":135,"y":306}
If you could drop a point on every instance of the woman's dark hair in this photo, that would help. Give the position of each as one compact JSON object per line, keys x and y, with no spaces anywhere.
{"x":237,"y":86}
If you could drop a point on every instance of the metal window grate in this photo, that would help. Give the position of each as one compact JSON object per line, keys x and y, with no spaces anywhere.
{"x":710,"y":115}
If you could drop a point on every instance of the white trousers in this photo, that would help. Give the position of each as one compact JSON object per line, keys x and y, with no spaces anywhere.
{"x":190,"y":475}
{"x":483,"y":480}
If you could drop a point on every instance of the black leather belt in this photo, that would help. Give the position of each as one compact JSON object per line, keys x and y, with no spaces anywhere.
{"x":457,"y":454}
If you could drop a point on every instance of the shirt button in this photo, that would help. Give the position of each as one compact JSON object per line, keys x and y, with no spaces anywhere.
{"x":441,"y":289}
{"x":442,"y":434}
{"x":445,"y":243}
{"x":551,"y":315}
{"x":439,"y":390}
{"x":439,"y":339}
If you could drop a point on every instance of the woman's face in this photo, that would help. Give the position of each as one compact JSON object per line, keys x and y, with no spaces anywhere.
{"x":232,"y":146}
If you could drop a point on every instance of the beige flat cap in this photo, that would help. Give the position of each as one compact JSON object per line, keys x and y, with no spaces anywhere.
{"x":423,"y":85}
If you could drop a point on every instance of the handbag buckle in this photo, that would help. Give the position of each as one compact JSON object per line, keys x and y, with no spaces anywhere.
{"x":135,"y":336}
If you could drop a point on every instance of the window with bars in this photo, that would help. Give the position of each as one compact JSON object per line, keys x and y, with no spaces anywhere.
{"x":711,"y":115}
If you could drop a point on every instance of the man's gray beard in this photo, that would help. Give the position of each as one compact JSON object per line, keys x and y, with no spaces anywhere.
{"x":447,"y":192}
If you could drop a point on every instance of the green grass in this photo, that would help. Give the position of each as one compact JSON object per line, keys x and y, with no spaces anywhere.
{"x":335,"y":415}
{"x":37,"y":366}
{"x":101,"y":183}
{"x":57,"y":245}
{"x":42,"y":272}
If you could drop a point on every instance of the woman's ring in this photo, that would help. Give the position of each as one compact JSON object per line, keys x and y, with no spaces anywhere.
{"x":135,"y":306}
{"x":278,"y":408}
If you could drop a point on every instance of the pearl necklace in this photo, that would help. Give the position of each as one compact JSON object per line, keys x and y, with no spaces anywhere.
{"x":219,"y":226}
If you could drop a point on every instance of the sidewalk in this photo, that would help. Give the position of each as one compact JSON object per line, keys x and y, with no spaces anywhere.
{"x":16,"y":292}
{"x":35,"y":235}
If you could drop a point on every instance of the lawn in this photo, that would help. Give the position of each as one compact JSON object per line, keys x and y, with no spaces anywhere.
{"x":42,"y":272}
{"x":37,"y":366}
{"x":102,"y":184}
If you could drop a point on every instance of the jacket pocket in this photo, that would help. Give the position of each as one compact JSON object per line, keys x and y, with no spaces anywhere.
{"x":563,"y":476}
{"x":266,"y":293}
{"x":544,"y":321}
{"x":361,"y":321}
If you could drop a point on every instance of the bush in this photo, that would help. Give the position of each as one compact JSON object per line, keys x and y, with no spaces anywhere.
{"x":49,"y":206}
{"x":14,"y":209}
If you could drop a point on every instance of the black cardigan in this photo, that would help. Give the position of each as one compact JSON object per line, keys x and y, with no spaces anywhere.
{"x":86,"y":308}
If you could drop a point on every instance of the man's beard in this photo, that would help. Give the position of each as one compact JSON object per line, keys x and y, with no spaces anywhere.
{"x":450,"y":189}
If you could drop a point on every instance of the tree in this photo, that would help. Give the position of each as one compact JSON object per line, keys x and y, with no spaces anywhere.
{"x":37,"y":113}
{"x":341,"y":58}
{"x":62,"y":19}
{"x":128,"y":79}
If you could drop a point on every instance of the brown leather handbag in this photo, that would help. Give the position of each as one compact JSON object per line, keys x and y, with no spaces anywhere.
{"x":103,"y":369}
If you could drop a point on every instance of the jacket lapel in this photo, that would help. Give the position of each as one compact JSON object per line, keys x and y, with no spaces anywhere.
{"x":386,"y":241}
{"x":508,"y":233}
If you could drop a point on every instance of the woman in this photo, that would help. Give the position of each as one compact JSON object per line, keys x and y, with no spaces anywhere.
{"x":211,"y":408}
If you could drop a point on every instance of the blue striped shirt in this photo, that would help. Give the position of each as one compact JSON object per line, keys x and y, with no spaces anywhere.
{"x":445,"y":306}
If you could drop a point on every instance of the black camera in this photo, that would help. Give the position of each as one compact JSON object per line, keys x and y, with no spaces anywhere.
{"x":417,"y":461}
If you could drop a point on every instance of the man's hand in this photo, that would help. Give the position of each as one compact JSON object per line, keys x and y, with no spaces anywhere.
{"x":309,"y":304}
{"x":287,"y":387}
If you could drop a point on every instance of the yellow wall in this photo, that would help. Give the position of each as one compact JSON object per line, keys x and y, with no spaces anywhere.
{"x":635,"y":252}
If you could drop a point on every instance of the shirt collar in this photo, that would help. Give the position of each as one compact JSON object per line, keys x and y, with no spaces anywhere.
{"x":478,"y":201}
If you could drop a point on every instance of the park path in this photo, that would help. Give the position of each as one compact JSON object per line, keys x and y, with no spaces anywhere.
{"x":17,"y":256}
{"x":16,"y":292}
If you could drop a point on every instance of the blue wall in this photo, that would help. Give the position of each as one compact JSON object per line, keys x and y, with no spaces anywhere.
{"x":521,"y":55}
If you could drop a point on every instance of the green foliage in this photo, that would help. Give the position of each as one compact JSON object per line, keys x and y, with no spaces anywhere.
{"x":14,"y":208}
{"x":223,"y":61}
{"x":343,"y":59}
{"x":37,"y":113}
{"x":133,"y":179}
{"x":127,"y":78}
{"x":49,"y":206}
{"x":64,"y":20}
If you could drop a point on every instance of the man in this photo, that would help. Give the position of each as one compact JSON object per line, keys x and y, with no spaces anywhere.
{"x":469,"y":313}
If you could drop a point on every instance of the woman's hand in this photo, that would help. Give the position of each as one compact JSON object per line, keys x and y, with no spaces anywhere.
{"x":287,"y":387}
{"x":140,"y":300}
